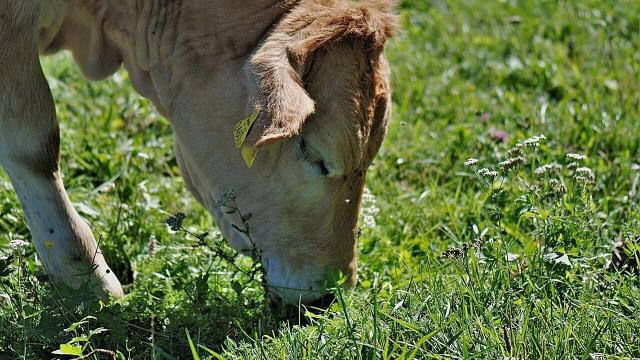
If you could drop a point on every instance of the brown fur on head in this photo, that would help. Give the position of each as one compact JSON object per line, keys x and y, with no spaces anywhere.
{"x":282,"y":60}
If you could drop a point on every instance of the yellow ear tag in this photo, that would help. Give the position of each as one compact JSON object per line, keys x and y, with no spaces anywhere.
{"x":240,"y":131}
{"x":248,"y":154}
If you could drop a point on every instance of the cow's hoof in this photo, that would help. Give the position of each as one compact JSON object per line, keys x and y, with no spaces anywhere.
{"x":625,"y":256}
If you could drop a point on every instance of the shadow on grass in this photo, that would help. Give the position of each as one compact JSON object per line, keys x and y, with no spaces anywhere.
{"x":148,"y":320}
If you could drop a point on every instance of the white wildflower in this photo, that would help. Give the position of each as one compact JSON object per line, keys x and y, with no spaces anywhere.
{"x":548,"y":168}
{"x":576,"y":157}
{"x":152,"y":246}
{"x":635,"y":167}
{"x":516,"y":150}
{"x":105,"y":188}
{"x":18,"y":244}
{"x":584,"y":171}
{"x":534,"y":141}
{"x":471,"y":162}
{"x":561,"y":189}
{"x":511,"y":163}
{"x":585,"y":175}
{"x":488,"y":173}
{"x":584,"y":180}
{"x":557,"y":186}
{"x":573,"y":165}
{"x":369,"y":209}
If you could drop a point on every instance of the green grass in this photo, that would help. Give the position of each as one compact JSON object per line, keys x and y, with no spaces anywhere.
{"x":471,"y":79}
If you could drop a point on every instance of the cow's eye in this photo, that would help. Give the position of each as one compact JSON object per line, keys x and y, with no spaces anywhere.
{"x":322,"y":167}
{"x":311,"y":157}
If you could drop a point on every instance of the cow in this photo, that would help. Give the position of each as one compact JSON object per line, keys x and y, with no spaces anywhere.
{"x":284,"y":101}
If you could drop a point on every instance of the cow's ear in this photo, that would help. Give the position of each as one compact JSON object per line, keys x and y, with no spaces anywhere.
{"x":283,"y":102}
{"x":280,"y":62}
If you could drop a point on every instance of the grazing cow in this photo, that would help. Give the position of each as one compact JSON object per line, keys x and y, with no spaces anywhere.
{"x":312,"y":73}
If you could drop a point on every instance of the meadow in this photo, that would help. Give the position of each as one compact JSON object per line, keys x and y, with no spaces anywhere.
{"x":510,"y":169}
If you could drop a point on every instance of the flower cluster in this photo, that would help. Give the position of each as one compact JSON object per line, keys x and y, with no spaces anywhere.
{"x":584,"y":171}
{"x":471,"y":162}
{"x":369,"y":208}
{"x":491,"y":174}
{"x":550,"y":175}
{"x":585,"y":175}
{"x":515,"y":151}
{"x":576,"y":157}
{"x":18,"y":244}
{"x":152,"y":246}
{"x":459,"y":253}
{"x":534,"y":141}
{"x":558,"y":187}
{"x":511,"y":163}
{"x":548,"y":168}
{"x":226,"y":198}
{"x":453,"y":253}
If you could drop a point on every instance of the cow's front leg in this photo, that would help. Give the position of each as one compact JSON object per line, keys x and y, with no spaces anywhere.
{"x":29,"y":152}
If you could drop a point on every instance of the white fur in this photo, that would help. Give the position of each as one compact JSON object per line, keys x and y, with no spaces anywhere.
{"x":294,"y":284}
{"x":54,"y":225}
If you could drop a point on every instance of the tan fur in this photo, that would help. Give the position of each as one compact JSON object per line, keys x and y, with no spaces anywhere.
{"x":282,"y":59}
{"x":22,"y":77}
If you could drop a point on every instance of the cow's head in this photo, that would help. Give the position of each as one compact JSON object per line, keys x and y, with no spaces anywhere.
{"x":323,"y":96}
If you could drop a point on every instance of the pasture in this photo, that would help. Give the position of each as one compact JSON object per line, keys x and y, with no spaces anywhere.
{"x":510,"y":168}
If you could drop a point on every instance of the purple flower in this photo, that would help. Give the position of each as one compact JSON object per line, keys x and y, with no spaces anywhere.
{"x":499,"y":135}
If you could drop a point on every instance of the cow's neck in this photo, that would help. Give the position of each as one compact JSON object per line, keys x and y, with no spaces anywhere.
{"x":160,"y":42}
{"x":166,"y":42}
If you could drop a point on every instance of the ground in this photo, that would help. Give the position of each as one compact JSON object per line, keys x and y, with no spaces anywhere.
{"x":480,"y":238}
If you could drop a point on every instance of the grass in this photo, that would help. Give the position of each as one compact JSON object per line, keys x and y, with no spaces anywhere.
{"x":471,"y":79}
